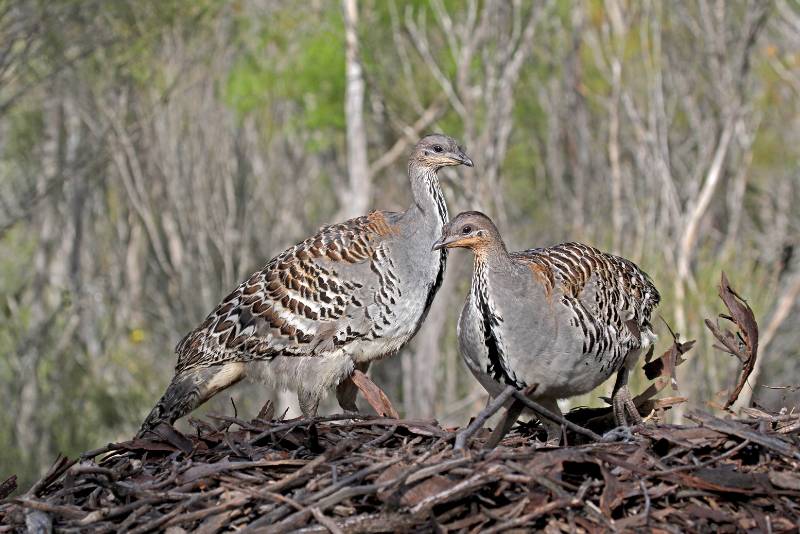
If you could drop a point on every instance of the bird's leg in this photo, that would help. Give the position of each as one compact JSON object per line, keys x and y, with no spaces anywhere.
{"x":553,"y":429}
{"x":622,"y":401}
{"x":189,"y":389}
{"x":309,"y":402}
{"x":347,"y":391}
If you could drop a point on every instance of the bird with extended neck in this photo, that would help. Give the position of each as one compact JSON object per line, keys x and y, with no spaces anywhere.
{"x":353,"y":293}
{"x":564,"y":318}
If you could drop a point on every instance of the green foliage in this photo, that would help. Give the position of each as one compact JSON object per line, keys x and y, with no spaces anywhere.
{"x":25,"y":129}
{"x":290,"y":60}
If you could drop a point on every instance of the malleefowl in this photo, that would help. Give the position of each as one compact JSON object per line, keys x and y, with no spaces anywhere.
{"x":353,"y":293}
{"x":564,"y":317}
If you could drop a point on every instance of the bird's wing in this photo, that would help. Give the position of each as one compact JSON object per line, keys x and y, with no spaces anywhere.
{"x":603,"y":289}
{"x":311,"y":298}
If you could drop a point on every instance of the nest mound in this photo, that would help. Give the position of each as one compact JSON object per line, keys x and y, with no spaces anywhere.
{"x":380,"y":474}
{"x":360,"y":473}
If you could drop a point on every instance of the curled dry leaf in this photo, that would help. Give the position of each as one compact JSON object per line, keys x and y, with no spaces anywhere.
{"x":744,"y":342}
{"x":173,"y":437}
{"x":666,"y":364}
{"x":8,"y":486}
{"x":267,"y":412}
{"x":374,"y":395}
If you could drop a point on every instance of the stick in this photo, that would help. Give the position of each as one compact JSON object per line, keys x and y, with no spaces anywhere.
{"x":463,"y":437}
{"x":326,"y":522}
{"x":304,"y":422}
{"x":692,"y":467}
{"x":739,"y":430}
{"x":541,"y":410}
{"x":508,"y":420}
{"x":71,"y":512}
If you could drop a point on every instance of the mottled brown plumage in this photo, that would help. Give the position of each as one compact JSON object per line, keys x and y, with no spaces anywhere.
{"x":292,"y":306}
{"x":352,"y":293}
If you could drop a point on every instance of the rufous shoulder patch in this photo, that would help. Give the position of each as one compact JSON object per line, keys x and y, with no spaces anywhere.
{"x":379,"y":224}
{"x":544,"y":276}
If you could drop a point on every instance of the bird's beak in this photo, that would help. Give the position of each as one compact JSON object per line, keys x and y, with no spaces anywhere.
{"x":443,"y":241}
{"x":464,"y":159}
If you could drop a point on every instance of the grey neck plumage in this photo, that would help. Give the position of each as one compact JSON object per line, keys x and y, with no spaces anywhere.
{"x":428,"y":215}
{"x":429,"y":203}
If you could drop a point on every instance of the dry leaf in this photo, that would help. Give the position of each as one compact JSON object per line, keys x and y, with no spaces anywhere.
{"x":374,"y":395}
{"x":785,"y":480}
{"x":666,"y":364}
{"x":744,"y":343}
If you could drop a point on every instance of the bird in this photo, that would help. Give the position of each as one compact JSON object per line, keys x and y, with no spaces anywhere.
{"x":564,"y":317}
{"x":352,"y":293}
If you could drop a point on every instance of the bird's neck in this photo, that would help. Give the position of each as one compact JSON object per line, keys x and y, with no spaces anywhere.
{"x":492,"y":256}
{"x":429,"y":200}
{"x":480,"y":282}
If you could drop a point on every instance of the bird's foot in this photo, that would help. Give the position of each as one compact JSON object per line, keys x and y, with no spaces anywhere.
{"x":621,"y":433}
{"x":623,"y":406}
{"x":549,"y":443}
{"x":554,"y":433}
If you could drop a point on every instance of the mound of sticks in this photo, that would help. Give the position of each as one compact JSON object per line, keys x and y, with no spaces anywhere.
{"x":378,"y":474}
{"x":362,"y":473}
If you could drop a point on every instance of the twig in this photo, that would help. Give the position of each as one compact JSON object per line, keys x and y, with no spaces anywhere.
{"x":541,"y":410}
{"x":191,"y":517}
{"x":58,"y":468}
{"x":66,"y":511}
{"x":713,"y":460}
{"x":105,"y":513}
{"x":298,"y":518}
{"x":528,"y":518}
{"x":307,"y":469}
{"x":496,"y":403}
{"x":97,"y":452}
{"x":235,"y":411}
{"x":382,"y":438}
{"x":316,"y":498}
{"x":457,"y":490}
{"x":739,"y":430}
{"x":306,"y":422}
{"x":507,"y":421}
{"x":326,"y":522}
{"x":646,"y":503}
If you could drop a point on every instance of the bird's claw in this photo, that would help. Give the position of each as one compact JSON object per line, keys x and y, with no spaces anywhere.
{"x":624,"y":407}
{"x":622,"y":433}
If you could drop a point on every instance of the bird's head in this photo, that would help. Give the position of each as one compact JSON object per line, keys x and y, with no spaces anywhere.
{"x":437,"y":151}
{"x":469,"y":229}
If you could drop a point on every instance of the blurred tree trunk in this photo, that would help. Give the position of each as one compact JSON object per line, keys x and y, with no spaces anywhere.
{"x":355,"y":199}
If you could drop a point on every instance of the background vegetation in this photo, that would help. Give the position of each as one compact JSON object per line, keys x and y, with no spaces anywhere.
{"x":154,"y":153}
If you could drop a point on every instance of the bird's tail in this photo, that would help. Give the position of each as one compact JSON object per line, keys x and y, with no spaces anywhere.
{"x":188,"y":390}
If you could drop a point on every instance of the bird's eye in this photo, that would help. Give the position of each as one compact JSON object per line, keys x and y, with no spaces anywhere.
{"x":467,"y":229}
{"x":438,"y":149}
